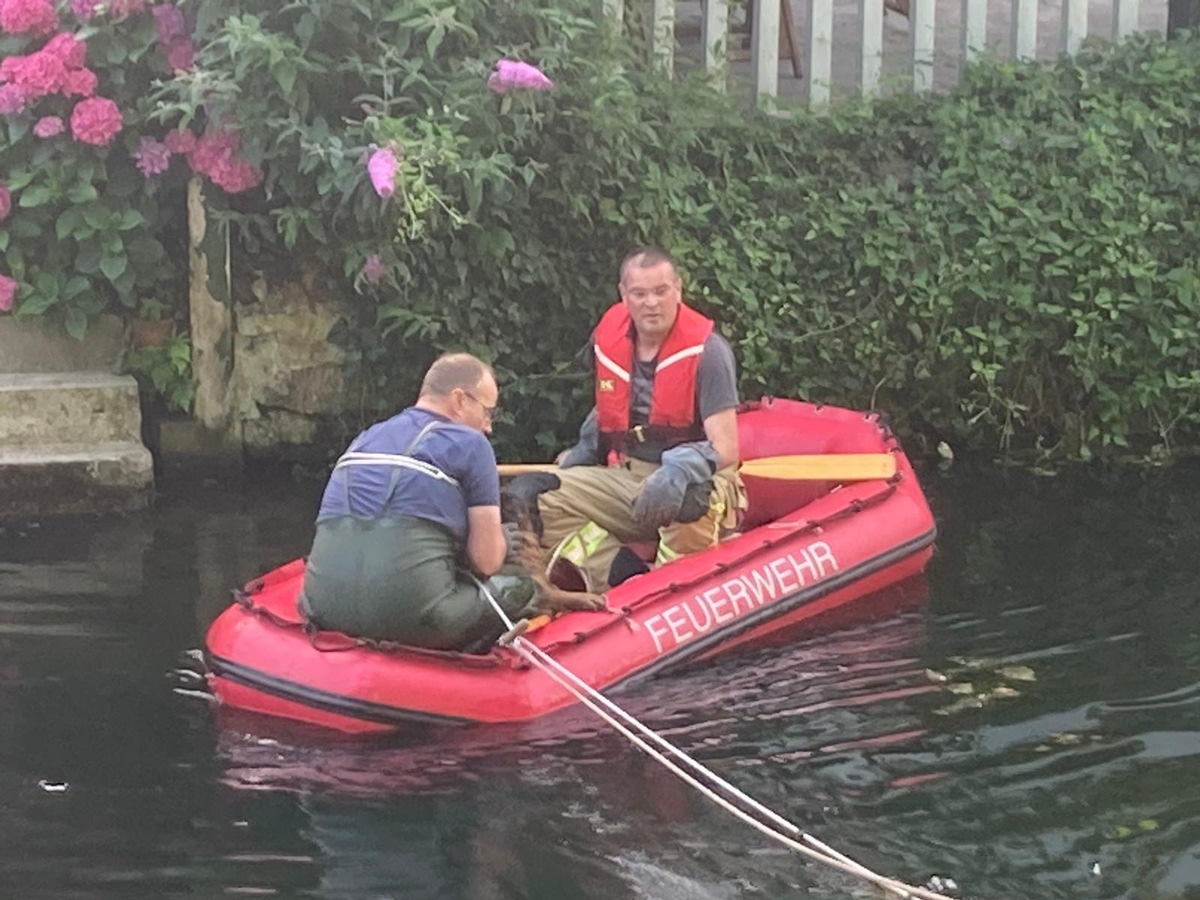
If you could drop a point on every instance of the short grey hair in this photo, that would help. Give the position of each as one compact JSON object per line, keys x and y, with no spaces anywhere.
{"x":645,"y":257}
{"x":452,"y":371}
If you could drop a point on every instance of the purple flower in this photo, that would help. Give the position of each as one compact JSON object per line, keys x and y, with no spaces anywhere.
{"x":373,"y":269}
{"x":382,"y":168}
{"x":8,"y":291}
{"x":48,"y":126}
{"x":153,"y":157}
{"x":168,"y":22}
{"x":511,"y":74}
{"x":5,"y":201}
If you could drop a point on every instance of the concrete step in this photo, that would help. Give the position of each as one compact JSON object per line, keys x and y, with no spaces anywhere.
{"x":58,"y":479}
{"x":46,"y":408}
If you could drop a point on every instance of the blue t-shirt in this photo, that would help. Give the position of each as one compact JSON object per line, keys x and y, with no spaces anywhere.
{"x":462,"y":453}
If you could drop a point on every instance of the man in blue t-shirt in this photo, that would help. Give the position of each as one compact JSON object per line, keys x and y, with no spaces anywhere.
{"x":411,"y":505}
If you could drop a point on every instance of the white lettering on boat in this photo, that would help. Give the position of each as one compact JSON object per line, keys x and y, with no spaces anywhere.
{"x":741,"y":594}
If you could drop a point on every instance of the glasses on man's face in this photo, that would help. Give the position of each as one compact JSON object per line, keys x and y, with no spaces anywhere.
{"x":488,"y":411}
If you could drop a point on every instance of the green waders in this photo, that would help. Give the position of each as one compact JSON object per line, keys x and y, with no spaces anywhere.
{"x":398,"y":580}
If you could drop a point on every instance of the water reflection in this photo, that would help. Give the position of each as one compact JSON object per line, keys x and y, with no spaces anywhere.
{"x":1029,"y":725}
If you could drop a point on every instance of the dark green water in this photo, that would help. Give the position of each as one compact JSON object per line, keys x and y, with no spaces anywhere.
{"x":1083,"y":783}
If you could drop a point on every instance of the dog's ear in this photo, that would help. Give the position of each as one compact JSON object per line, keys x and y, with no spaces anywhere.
{"x":518,"y":499}
{"x":529,"y":485}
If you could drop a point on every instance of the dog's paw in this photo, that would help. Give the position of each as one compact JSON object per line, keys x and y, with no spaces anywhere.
{"x":559,"y":601}
{"x":595,"y":603}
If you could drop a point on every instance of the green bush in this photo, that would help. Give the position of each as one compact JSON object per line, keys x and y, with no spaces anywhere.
{"x":1011,"y":269}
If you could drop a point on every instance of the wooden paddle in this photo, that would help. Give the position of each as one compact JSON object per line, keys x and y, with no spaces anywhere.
{"x":812,"y":467}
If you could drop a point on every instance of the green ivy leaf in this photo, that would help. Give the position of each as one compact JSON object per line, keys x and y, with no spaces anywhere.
{"x":113,"y":267}
{"x":82,"y":192}
{"x":35,"y":196}
{"x":75,"y":322}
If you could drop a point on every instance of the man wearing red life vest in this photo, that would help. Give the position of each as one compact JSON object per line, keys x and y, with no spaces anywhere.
{"x":657,"y":457}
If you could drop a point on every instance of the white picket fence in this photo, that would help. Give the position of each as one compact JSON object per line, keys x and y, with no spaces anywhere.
{"x":823,"y":32}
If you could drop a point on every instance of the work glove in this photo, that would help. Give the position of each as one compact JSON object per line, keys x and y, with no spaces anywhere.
{"x":586,"y":451}
{"x":661,"y":499}
{"x":515,"y":541}
{"x":697,"y":500}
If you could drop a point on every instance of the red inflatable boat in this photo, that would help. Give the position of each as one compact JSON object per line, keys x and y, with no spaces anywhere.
{"x":806,"y":548}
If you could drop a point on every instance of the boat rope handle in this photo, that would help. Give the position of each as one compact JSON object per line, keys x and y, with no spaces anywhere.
{"x":615,"y":716}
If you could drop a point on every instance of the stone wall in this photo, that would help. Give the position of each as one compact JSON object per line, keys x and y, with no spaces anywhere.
{"x":290,"y":387}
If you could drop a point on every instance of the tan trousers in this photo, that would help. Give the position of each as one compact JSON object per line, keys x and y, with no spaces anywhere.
{"x":595,"y":503}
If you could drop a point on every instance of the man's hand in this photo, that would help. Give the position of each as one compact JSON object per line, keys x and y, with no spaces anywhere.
{"x":586,"y":451}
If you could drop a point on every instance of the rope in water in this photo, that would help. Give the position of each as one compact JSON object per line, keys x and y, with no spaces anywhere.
{"x":776,"y":827}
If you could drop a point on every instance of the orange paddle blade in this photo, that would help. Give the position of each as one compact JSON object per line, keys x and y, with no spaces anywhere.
{"x":823,"y":467}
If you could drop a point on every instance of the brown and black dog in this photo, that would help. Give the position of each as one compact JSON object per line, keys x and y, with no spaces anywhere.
{"x":518,"y":504}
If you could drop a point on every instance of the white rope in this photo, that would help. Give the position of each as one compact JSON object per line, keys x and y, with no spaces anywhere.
{"x":611,"y":712}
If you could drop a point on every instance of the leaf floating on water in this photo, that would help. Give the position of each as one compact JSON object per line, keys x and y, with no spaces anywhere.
{"x":960,"y":705}
{"x":1016,"y":673}
{"x":1148,"y":825}
{"x":1004,"y":692}
{"x":1066,"y":739}
{"x":961,"y":687}
{"x":936,"y":677}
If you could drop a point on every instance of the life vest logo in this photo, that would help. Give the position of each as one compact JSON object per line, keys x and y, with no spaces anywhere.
{"x":607,"y":385}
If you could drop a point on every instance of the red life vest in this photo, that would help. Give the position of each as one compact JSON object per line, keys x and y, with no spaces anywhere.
{"x":673,"y":415}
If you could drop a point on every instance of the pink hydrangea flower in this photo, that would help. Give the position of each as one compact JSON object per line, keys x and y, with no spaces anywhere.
{"x":48,"y":127}
{"x":373,"y":269}
{"x":80,"y":83}
{"x":511,"y":74}
{"x":84,"y":9}
{"x":14,"y":99}
{"x":96,"y":121}
{"x":180,"y":141}
{"x":214,"y":147}
{"x":68,"y":48}
{"x":381,"y":166}
{"x":40,"y":74}
{"x":236,"y":175}
{"x":215,"y":155}
{"x":8,"y":293}
{"x":152,"y":157}
{"x":181,"y":54}
{"x":5,"y":201}
{"x":28,"y":16}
